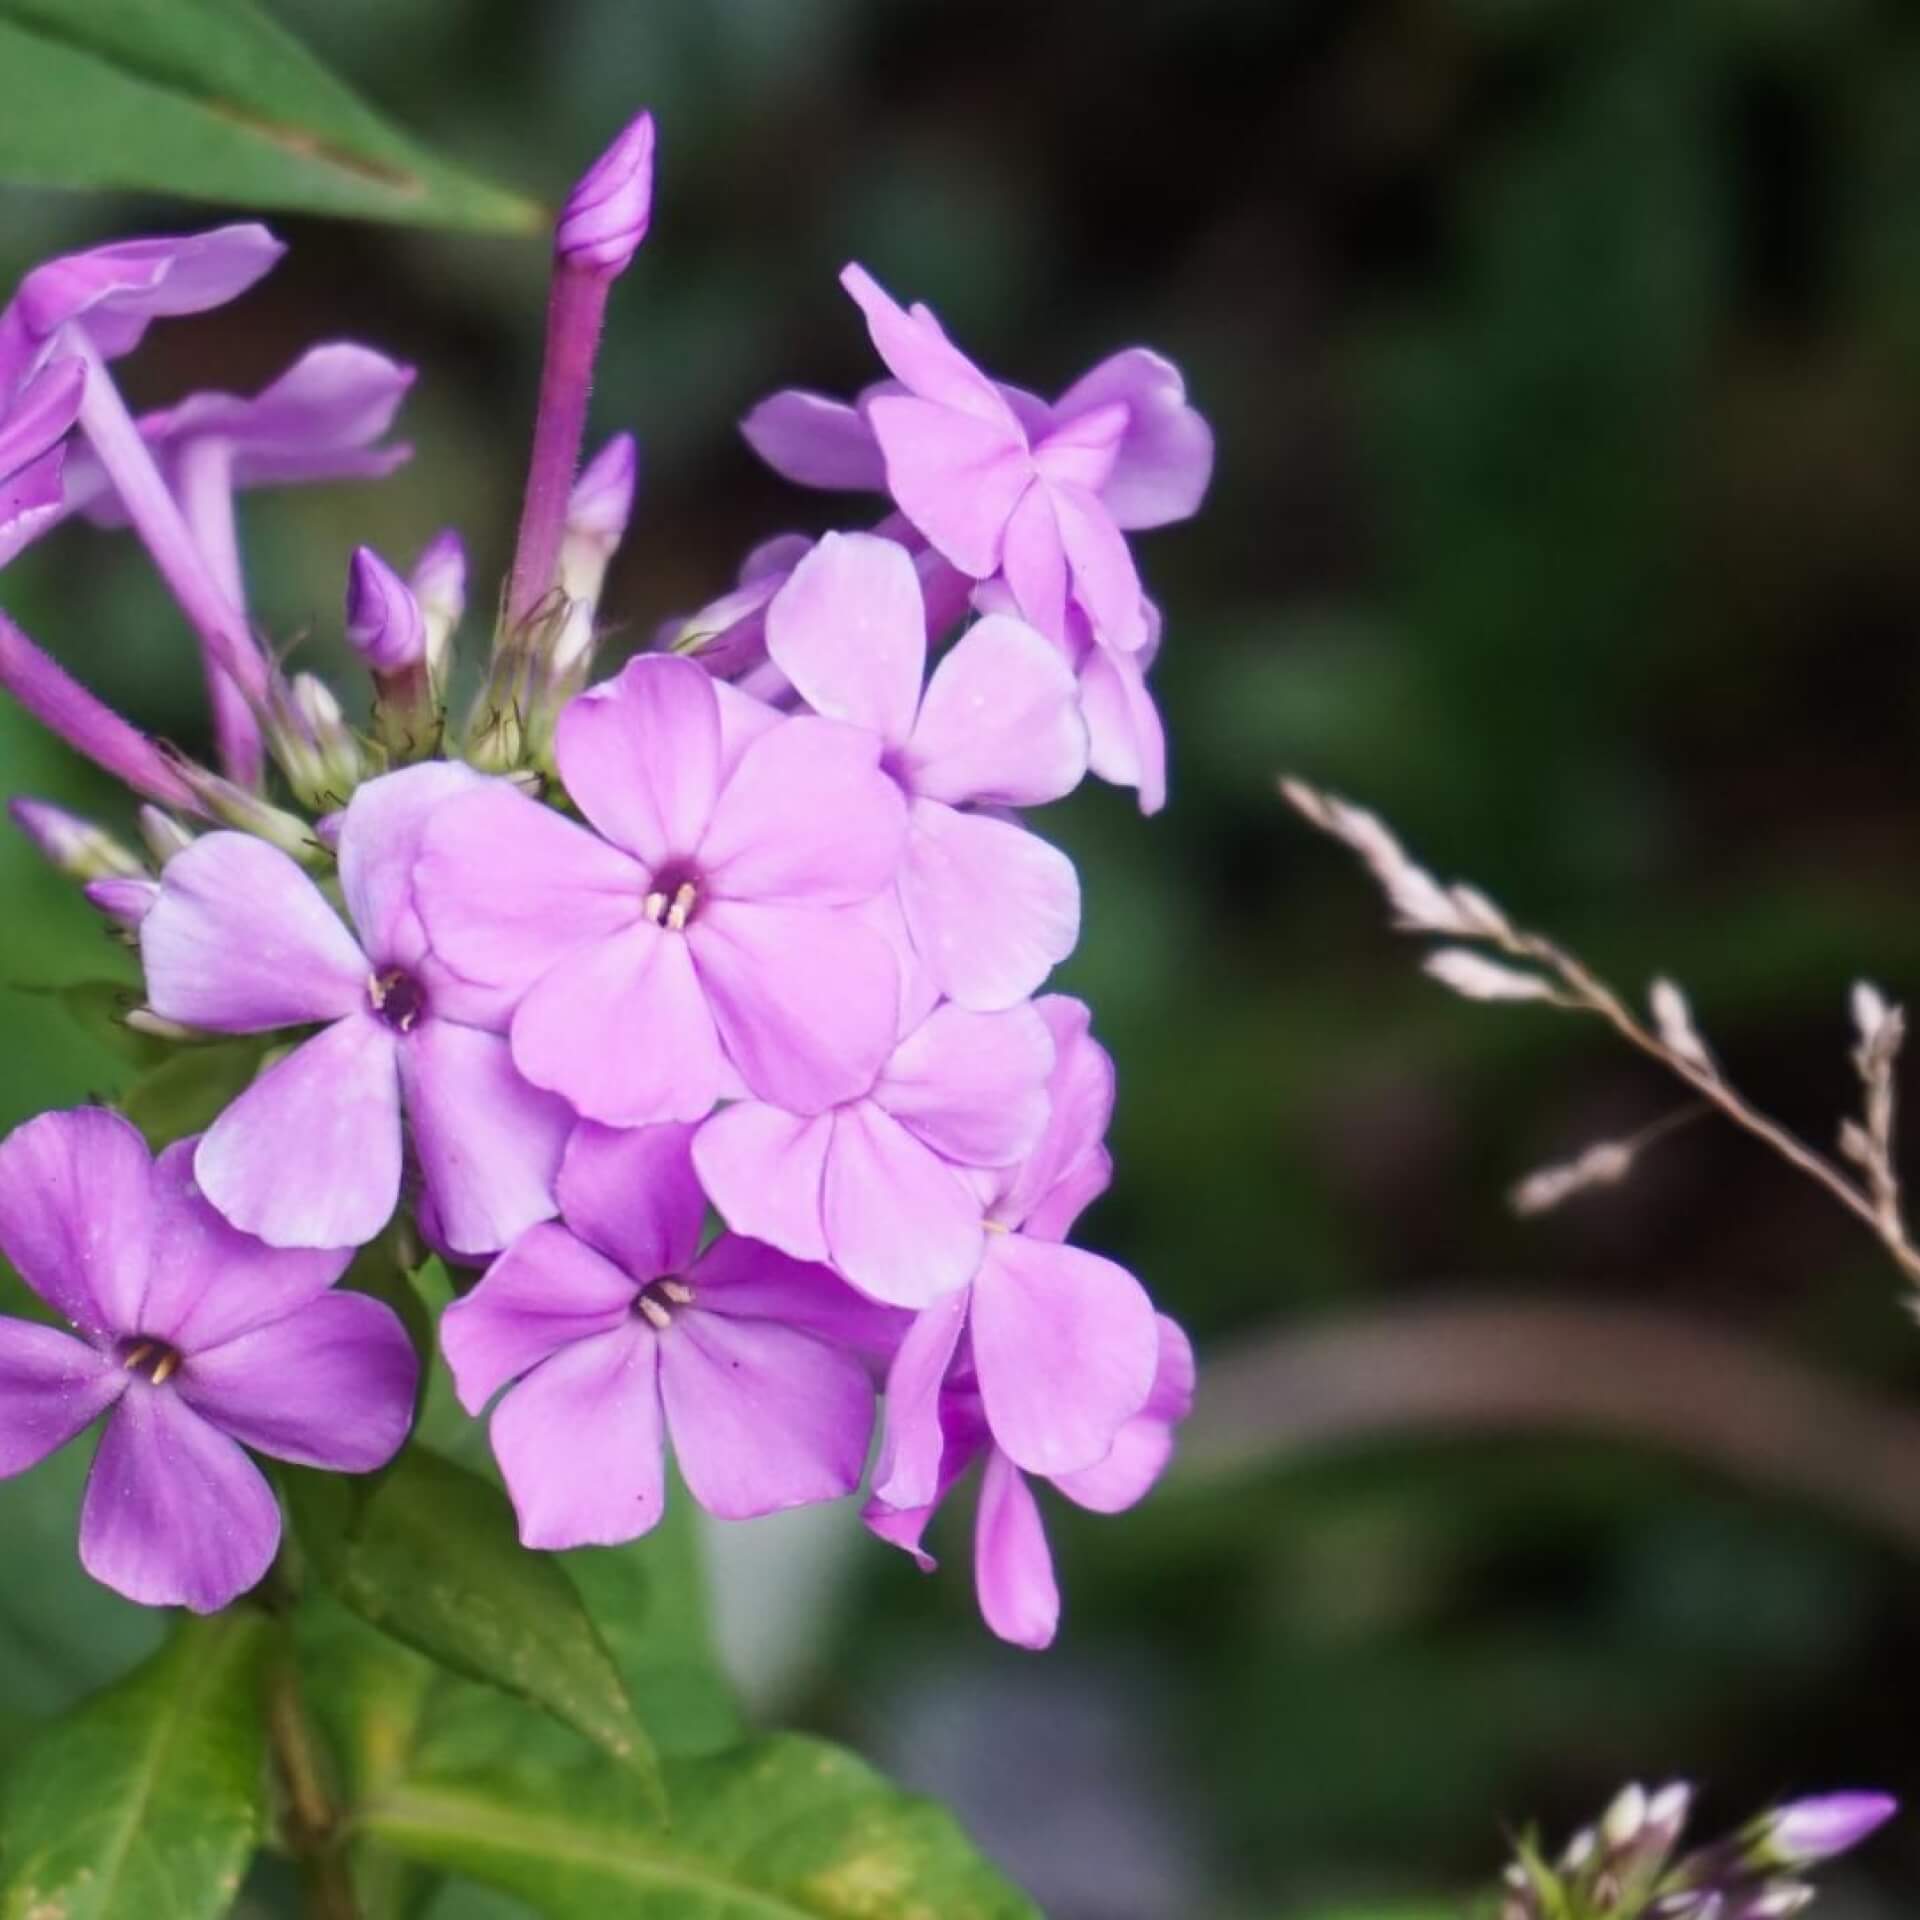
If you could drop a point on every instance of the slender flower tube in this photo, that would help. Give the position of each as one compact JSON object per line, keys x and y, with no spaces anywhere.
{"x":88,"y":725}
{"x":599,"y":231}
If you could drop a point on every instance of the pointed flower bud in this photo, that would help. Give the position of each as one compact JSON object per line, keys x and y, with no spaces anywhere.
{"x":246,"y":812}
{"x":439,"y":583}
{"x":606,"y":215}
{"x":122,"y":900}
{"x":598,"y":510}
{"x":77,"y":847}
{"x":1805,"y":1831}
{"x":384,"y":623}
{"x":163,"y":834}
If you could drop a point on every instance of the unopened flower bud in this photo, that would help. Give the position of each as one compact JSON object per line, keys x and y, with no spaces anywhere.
{"x":77,"y":847}
{"x":163,"y":834}
{"x":1818,"y":1828}
{"x":341,"y":760}
{"x":1778,"y":1900}
{"x":234,"y":806}
{"x":122,"y":900}
{"x":384,"y":623}
{"x":606,"y":215}
{"x":598,"y":510}
{"x":439,"y":584}
{"x":327,"y":829}
{"x":158,"y":1027}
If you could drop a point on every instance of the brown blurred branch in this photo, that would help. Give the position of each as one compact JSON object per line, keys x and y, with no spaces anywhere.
{"x":1664,"y":1380}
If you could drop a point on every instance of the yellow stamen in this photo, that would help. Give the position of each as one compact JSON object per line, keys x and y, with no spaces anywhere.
{"x":139,"y":1357}
{"x":678,"y":1292}
{"x":168,"y":1367}
{"x":682,"y":909}
{"x":656,"y":1313}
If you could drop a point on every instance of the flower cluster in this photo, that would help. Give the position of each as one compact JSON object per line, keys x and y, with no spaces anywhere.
{"x":753,"y":928}
{"x":1627,"y":1866}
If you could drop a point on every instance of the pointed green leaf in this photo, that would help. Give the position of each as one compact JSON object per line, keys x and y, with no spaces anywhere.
{"x":215,"y":100}
{"x":100,"y":1008}
{"x":429,"y":1553}
{"x":147,"y":1799}
{"x":778,"y":1829}
{"x":188,"y":1091}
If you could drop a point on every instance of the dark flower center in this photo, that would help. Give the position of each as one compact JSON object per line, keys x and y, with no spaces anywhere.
{"x":398,"y":998}
{"x":150,"y":1360}
{"x":673,"y":899}
{"x":656,"y":1304}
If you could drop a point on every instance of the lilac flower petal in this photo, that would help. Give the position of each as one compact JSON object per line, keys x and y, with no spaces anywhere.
{"x":52,"y":1387}
{"x":1070,"y":1196}
{"x":919,"y":991}
{"x":34,"y":422}
{"x":1012,"y":1567}
{"x":309,"y":1155}
{"x":1034,"y":557}
{"x":993,"y":909}
{"x":506,"y":887}
{"x":32,"y":502}
{"x":807,"y":817}
{"x":902,"y":1226}
{"x":380,"y":842}
{"x":958,"y":479}
{"x":1001,"y":722}
{"x":241,"y":941}
{"x":762,"y":1417}
{"x":1080,"y":451}
{"x":1104,"y":581}
{"x":815,"y":442}
{"x":805,"y":999}
{"x":330,"y":1385}
{"x":973,"y":1086}
{"x":744,"y":1280}
{"x":1805,"y":1832}
{"x":1126,"y":741}
{"x":965,"y":1439}
{"x":488,"y":1142}
{"x":545,"y":1292}
{"x":743,"y":720}
{"x":641,"y":757}
{"x":1144,"y":1445}
{"x":920,"y":355}
{"x":76,"y":1207}
{"x":849,"y":629}
{"x":119,"y":289}
{"x":175,"y":1514}
{"x":635,"y":1197}
{"x":908,"y":1471}
{"x":623,"y":1031}
{"x":580,"y":1446}
{"x":1166,"y":456}
{"x":607,"y":214}
{"x":1080,"y":1109}
{"x":208,"y":1282}
{"x":1066,"y":1347}
{"x":763,"y":1169}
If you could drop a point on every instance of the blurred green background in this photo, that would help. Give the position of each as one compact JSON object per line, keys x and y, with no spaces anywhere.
{"x":1565,"y":362}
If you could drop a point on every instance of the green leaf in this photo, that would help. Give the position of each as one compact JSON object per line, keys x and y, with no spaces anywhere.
{"x":188,"y":1091}
{"x":100,"y":1008}
{"x":215,"y":100}
{"x":783,"y":1828}
{"x":147,"y":1800}
{"x":429,"y":1553}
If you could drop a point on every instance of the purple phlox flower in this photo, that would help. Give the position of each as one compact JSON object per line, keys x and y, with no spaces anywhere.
{"x":621,"y":1333}
{"x":34,"y":424}
{"x":996,"y":479}
{"x":1061,"y":1342}
{"x":1012,"y":1565}
{"x":872,"y":1186}
{"x":992,"y":908}
{"x":311,"y":1154}
{"x":701,"y":946}
{"x":384,"y":624}
{"x":1804,"y":1832}
{"x":606,"y":216}
{"x":196,"y":1342}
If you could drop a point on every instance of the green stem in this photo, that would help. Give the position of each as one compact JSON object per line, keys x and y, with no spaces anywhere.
{"x":311,"y":1822}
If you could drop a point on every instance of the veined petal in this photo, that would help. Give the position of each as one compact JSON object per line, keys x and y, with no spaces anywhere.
{"x":763,"y":1169}
{"x":957,"y":478}
{"x":1080,"y":1093}
{"x":546,"y":1292}
{"x":1000,"y":724}
{"x":992,"y":908}
{"x":746,"y":1280}
{"x":633,"y":1194}
{"x":207,"y":1281}
{"x":849,"y":629}
{"x":919,"y":354}
{"x":1082,"y":447}
{"x":1035,"y":562}
{"x":908,"y":1471}
{"x":763,"y":1418}
{"x":1105,"y":584}
{"x":1145,"y":1444}
{"x":965,"y":1439}
{"x":623,"y":1031}
{"x":76,"y":1215}
{"x":641,"y":757}
{"x":1012,"y":1566}
{"x":241,"y":941}
{"x":488,"y":1141}
{"x":309,"y":1155}
{"x":1065,"y":1345}
{"x":380,"y":842}
{"x":506,"y":887}
{"x":815,"y":442}
{"x":973,"y":1086}
{"x":1126,"y":742}
{"x":330,"y":1385}
{"x":1165,"y":458}
{"x":805,"y":999}
{"x":52,"y":1387}
{"x":579,"y":1443}
{"x":807,"y":817}
{"x":175,"y":1515}
{"x":901,"y":1224}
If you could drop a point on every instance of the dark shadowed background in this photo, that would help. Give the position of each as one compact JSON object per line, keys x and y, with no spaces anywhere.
{"x":1565,"y":363}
